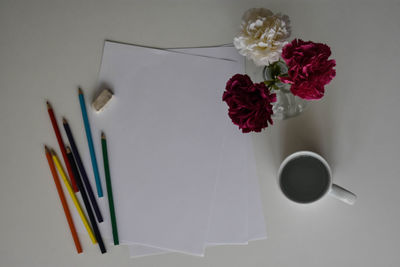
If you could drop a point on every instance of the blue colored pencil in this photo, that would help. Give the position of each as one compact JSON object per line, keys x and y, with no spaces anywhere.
{"x":90,"y":143}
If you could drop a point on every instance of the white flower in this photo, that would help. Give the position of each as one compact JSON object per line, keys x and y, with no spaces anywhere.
{"x":262,"y":35}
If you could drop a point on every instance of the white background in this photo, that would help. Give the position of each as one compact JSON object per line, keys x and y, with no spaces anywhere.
{"x":48,"y":48}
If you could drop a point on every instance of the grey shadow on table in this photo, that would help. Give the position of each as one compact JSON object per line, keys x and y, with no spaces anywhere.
{"x":312,"y":130}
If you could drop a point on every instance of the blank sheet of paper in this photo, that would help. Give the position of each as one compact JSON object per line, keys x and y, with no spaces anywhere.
{"x":228,"y":215}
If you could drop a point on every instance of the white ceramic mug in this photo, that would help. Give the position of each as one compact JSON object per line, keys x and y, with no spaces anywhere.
{"x":305,"y":177}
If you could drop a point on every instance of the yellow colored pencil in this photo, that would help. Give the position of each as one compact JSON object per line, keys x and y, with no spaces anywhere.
{"x":74,"y":199}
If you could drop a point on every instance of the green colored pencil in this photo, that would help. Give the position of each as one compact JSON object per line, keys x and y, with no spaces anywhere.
{"x":109,"y":189}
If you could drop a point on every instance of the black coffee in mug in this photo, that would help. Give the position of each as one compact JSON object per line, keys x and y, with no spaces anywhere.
{"x":304,"y":179}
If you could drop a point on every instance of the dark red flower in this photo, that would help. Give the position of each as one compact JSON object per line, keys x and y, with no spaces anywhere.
{"x":249,"y":103}
{"x":309,"y":68}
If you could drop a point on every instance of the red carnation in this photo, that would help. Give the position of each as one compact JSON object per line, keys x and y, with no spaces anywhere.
{"x":309,"y":68}
{"x":249,"y":103}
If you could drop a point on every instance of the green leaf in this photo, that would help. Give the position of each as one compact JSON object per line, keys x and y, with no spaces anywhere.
{"x":269,"y":82}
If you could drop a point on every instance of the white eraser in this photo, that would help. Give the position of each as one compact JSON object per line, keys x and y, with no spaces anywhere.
{"x":101,"y":100}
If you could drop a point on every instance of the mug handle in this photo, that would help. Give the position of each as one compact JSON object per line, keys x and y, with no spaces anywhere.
{"x":343,"y":194}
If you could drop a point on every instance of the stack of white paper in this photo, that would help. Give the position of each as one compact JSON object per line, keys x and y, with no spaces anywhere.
{"x":183,"y":175}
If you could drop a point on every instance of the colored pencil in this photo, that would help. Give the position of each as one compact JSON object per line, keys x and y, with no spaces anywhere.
{"x":63,"y":201}
{"x":90,"y":143}
{"x":61,"y":144}
{"x":73,"y":197}
{"x":85,"y":198}
{"x":82,"y":170}
{"x":109,"y":189}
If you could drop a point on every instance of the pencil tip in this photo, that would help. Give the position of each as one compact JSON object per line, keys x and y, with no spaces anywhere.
{"x":52,"y":152}
{"x":48,"y":104}
{"x":80,"y":91}
{"x":68,"y":149}
{"x":46,"y":149}
{"x":64,"y":120}
{"x":103,"y":135}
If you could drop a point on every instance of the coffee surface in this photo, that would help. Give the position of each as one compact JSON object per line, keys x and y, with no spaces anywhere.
{"x":304,"y":179}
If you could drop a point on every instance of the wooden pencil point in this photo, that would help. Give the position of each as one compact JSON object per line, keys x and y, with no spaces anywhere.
{"x":103,"y":136}
{"x":68,"y":149}
{"x":46,"y":149}
{"x":80,"y":91}
{"x":64,"y":120}
{"x":48,"y":105}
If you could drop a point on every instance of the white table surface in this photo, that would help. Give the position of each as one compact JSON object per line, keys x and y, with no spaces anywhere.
{"x":48,"y":48}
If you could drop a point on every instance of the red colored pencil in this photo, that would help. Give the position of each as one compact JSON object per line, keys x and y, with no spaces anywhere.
{"x":63,"y":201}
{"x":62,"y":146}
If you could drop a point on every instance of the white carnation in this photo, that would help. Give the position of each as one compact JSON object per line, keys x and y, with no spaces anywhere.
{"x":262,"y":35}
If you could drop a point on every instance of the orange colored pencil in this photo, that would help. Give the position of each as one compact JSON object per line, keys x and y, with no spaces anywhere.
{"x":63,"y":201}
{"x":62,"y":146}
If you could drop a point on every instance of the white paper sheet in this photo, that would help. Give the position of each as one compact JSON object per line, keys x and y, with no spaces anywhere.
{"x":219,"y":233}
{"x":165,"y":129}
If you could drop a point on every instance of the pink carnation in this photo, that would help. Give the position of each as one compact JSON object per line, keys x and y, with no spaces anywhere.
{"x":249,"y":103}
{"x":309,"y":68}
